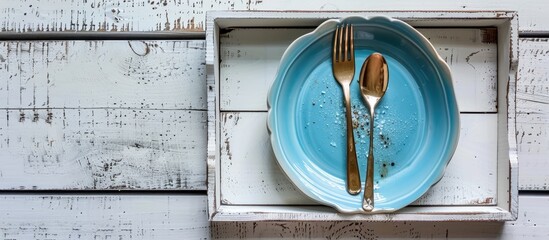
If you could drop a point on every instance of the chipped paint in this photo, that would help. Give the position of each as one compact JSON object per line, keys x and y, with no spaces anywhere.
{"x":489,"y":35}
{"x":146,"y":15}
{"x":244,"y":89}
{"x":122,"y":149}
{"x":140,"y":48}
{"x":159,"y":210}
{"x":532,"y":224}
{"x":533,"y":114}
{"x":74,"y":107}
{"x":113,"y":74}
{"x":111,"y":216}
{"x":101,"y":16}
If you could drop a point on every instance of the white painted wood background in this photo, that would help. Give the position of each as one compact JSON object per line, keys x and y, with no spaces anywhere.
{"x":254,"y":168}
{"x":119,"y":115}
{"x":102,"y":115}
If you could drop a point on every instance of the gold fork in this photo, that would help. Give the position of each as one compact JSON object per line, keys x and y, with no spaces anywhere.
{"x":343,"y":67}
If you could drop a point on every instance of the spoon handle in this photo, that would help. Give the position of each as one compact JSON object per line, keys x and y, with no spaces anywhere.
{"x":353,"y":175}
{"x":368,"y":201}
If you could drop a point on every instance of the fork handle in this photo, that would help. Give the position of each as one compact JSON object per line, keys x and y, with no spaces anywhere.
{"x":354,"y":185}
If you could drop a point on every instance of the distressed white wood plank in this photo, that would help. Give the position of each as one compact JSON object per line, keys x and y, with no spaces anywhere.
{"x":533,"y":114}
{"x":250,"y":175}
{"x":297,"y":213}
{"x":250,"y":60}
{"x":97,"y":74}
{"x":472,"y":57}
{"x":102,"y":149}
{"x":471,"y":176}
{"x":532,"y":12}
{"x":188,"y":16}
{"x":103,"y":217}
{"x":102,"y":15}
{"x":176,"y":217}
{"x":249,"y":172}
{"x":532,"y":223}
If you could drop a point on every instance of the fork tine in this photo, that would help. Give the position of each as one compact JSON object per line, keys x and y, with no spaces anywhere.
{"x":352,"y":50}
{"x":340,"y":42}
{"x":334,"y":49}
{"x":346,"y":43}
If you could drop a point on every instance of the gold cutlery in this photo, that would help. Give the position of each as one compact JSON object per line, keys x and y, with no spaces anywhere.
{"x":343,"y":67}
{"x":374,"y":78}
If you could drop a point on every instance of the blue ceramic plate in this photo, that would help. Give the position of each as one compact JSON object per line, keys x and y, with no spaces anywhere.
{"x":416,"y":123}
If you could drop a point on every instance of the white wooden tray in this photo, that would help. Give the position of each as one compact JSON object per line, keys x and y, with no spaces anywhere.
{"x":244,"y":181}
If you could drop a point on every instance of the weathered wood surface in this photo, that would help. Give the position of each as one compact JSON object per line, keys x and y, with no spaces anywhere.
{"x":250,"y":60}
{"x":188,"y":16}
{"x":184,"y":217}
{"x":102,"y":149}
{"x":533,"y":114}
{"x":102,"y":74}
{"x":102,"y":115}
{"x":103,"y":217}
{"x":242,"y":87}
{"x":250,"y":174}
{"x":531,"y":224}
{"x":102,"y":15}
{"x":176,"y":217}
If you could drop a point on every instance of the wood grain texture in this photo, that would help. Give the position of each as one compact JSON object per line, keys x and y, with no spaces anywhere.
{"x":185,"y":16}
{"x":103,"y":217}
{"x":102,"y":115}
{"x":250,"y":174}
{"x":533,"y":114}
{"x":102,"y":15}
{"x":242,"y":87}
{"x":531,"y":224}
{"x":177,"y":217}
{"x":101,"y":74}
{"x":250,"y":60}
{"x":102,"y":149}
{"x":506,"y":167}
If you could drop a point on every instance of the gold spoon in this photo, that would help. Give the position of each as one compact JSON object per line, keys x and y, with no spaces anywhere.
{"x":374,"y":78}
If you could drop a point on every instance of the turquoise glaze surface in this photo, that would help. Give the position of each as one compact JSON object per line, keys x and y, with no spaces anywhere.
{"x":416,"y":125}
